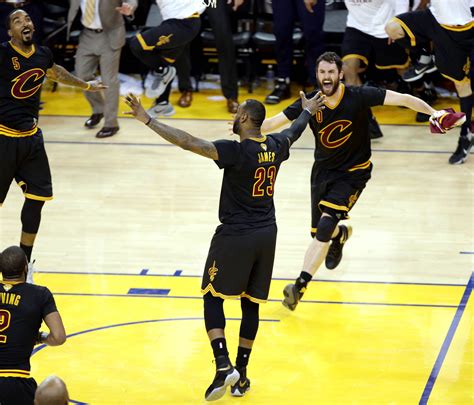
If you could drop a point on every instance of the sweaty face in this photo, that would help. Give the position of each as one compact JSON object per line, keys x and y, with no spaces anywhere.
{"x":328,"y":77}
{"x":21,"y":27}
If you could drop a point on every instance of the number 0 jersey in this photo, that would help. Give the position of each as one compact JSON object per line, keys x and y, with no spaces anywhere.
{"x":22,"y":309}
{"x":342,"y":131}
{"x":21,"y":78}
{"x":250,"y":171}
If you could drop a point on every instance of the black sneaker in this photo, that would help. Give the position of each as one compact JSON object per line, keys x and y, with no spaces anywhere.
{"x":461,"y":153}
{"x":292,"y":296}
{"x":421,"y":67}
{"x":334,"y":256}
{"x":224,"y":377}
{"x":281,"y":91}
{"x":240,"y":387}
{"x":374,"y":129}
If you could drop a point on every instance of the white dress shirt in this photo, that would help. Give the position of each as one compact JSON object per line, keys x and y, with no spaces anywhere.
{"x":180,"y":8}
{"x":96,"y":23}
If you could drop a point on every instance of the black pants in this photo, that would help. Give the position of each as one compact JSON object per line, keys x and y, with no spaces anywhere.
{"x":162,"y":45}
{"x":284,"y":16}
{"x":17,"y":391}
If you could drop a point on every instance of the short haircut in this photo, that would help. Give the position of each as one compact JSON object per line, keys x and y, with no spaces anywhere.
{"x":256,"y":111}
{"x":9,"y":17}
{"x":330,"y":57}
{"x":12,"y":262}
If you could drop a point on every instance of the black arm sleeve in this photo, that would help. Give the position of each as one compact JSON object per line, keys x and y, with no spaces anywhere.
{"x":297,"y":127}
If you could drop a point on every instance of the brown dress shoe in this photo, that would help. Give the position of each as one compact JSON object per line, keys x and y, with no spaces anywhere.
{"x":186,"y":99}
{"x":106,"y":132}
{"x":93,"y":120}
{"x":232,"y":105}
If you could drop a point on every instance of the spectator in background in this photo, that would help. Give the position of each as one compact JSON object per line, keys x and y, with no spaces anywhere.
{"x":22,"y":310}
{"x":311,"y":14}
{"x":220,"y":21}
{"x":365,"y":42}
{"x":159,"y":47}
{"x":100,"y":44}
{"x":52,"y":391}
{"x":32,"y":7}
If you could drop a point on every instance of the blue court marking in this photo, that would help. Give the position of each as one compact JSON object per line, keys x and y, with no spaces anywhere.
{"x":144,"y":272}
{"x":177,"y":273}
{"x":195,"y":297}
{"x":447,"y":342}
{"x":84,"y":273}
{"x":466,"y":253}
{"x":83,"y":332}
{"x":160,"y":145}
{"x":148,"y":291}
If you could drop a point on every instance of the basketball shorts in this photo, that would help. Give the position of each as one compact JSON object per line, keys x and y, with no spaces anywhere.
{"x":369,"y":49}
{"x":452,"y":44}
{"x":337,"y":190}
{"x":24,"y":159}
{"x":17,"y":391}
{"x":240,"y":264}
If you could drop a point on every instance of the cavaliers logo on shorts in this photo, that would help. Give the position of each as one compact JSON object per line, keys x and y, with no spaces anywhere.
{"x":212,"y":271}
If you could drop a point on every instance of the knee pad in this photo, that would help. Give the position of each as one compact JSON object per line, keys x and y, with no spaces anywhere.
{"x":326,"y":227}
{"x":31,"y":215}
{"x":250,"y":319}
{"x":214,"y":317}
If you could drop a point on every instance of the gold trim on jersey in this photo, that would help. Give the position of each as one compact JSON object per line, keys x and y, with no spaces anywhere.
{"x":263,"y":138}
{"x":169,"y":60}
{"x":405,"y":65}
{"x":14,"y":133}
{"x":459,"y":28}
{"x":356,"y":56}
{"x":15,"y":373}
{"x":195,"y":15}
{"x":314,"y":230}
{"x":360,"y":166}
{"x":463,"y":81}
{"x":407,"y":30}
{"x":144,"y":44}
{"x":214,"y":293}
{"x":37,"y":197}
{"x":334,"y":206}
{"x":339,"y":99}
{"x":25,"y":54}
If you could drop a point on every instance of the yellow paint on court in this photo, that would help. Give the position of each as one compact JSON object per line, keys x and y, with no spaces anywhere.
{"x":334,"y":349}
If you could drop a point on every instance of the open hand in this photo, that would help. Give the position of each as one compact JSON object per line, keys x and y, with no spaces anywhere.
{"x":125,"y":9}
{"x":137,"y":109}
{"x":314,"y":104}
{"x":96,"y":85}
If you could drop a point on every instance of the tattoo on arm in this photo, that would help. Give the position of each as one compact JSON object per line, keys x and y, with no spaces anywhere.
{"x":58,"y":74}
{"x":184,"y":140}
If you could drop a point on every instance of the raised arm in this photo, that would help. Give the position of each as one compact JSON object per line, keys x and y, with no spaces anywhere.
{"x":273,"y":123}
{"x":171,"y":134}
{"x":406,"y":100}
{"x":57,"y":334}
{"x":310,"y":107}
{"x":58,"y":74}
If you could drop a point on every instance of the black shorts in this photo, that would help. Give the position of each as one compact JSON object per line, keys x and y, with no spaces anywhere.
{"x":17,"y":391}
{"x":452,"y":44}
{"x":24,"y":159}
{"x":337,"y":190}
{"x":240,"y":264}
{"x":357,"y":44}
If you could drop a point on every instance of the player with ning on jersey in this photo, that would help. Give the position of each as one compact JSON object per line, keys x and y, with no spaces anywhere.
{"x":22,"y":309}
{"x":240,"y":259}
{"x":23,"y":68}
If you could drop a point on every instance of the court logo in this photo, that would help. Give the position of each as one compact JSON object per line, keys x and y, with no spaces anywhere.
{"x":28,"y":83}
{"x":164,"y":39}
{"x":213,"y":271}
{"x":331,"y":134}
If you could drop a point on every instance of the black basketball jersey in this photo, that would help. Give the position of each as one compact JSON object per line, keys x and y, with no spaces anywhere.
{"x":22,"y":309}
{"x":21,"y":78}
{"x":342,"y":132}
{"x":250,"y":171}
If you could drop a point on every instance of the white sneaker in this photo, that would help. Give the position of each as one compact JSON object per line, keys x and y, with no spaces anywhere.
{"x":162,"y":109}
{"x":159,"y":82}
{"x":31,"y":270}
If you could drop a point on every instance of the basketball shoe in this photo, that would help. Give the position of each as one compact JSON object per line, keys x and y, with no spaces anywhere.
{"x":292,"y":296}
{"x":334,"y":256}
{"x":225,"y":376}
{"x":242,"y":386}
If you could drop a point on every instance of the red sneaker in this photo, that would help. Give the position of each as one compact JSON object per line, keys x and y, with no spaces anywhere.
{"x":444,"y":120}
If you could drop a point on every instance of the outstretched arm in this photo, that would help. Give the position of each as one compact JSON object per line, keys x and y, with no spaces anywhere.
{"x":406,"y":100}
{"x":273,"y":123}
{"x":171,"y":134}
{"x":58,"y":74}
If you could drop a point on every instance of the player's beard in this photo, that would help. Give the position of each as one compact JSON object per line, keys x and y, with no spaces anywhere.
{"x":236,"y":127}
{"x":335,"y":86}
